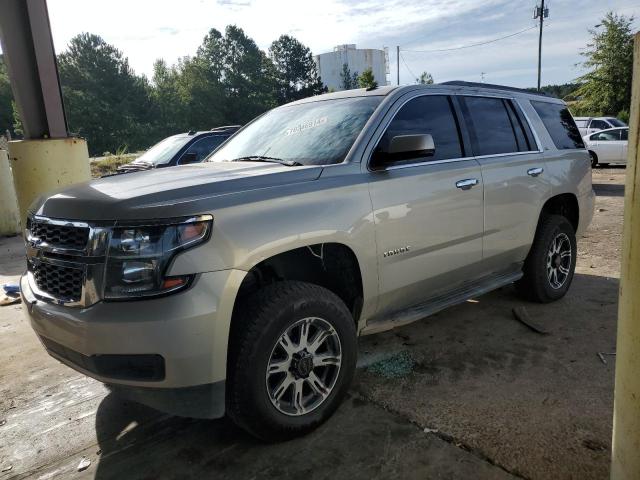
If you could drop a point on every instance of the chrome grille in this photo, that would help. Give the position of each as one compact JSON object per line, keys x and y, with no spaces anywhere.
{"x":59,"y":236}
{"x":64,"y":283}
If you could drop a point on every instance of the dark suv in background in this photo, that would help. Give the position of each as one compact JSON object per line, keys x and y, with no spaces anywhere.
{"x":181,"y":149}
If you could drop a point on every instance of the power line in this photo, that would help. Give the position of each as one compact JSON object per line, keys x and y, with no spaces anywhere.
{"x":406,"y":65}
{"x":473,"y":44}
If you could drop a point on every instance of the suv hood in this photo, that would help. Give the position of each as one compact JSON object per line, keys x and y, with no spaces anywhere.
{"x":166,"y":192}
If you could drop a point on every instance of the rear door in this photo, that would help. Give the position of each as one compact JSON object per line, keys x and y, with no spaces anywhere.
{"x":513,"y":172}
{"x":427,"y":209}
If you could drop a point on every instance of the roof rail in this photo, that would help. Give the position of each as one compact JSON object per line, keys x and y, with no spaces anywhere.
{"x":490,"y":86}
{"x":225,"y":127}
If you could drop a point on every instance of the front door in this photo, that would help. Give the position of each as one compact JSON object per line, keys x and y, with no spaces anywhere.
{"x":427,"y":209}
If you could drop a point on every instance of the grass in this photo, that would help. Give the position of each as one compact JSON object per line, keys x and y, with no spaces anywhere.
{"x":108,"y":165}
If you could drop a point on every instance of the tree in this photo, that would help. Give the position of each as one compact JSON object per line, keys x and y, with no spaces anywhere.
{"x":242,"y":72}
{"x":105,"y":101}
{"x":606,"y":88}
{"x":367,"y":80}
{"x":425,"y":79}
{"x":169,"y":104}
{"x":347,"y":79}
{"x":6,"y":99}
{"x":296,"y":74}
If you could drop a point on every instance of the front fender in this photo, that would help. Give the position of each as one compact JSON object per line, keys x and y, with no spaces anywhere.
{"x":332,"y":209}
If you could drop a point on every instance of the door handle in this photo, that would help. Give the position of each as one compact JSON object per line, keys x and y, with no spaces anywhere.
{"x":467,"y":183}
{"x":534,"y":172}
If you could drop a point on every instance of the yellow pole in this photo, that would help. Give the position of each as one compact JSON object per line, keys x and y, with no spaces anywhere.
{"x":9,"y":216}
{"x":625,"y":456}
{"x":40,"y":166}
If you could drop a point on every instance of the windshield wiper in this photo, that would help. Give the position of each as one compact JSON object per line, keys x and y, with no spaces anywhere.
{"x":262,"y":158}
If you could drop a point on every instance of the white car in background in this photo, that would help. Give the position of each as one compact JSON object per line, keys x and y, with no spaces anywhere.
{"x":589,"y":125}
{"x":608,"y":146}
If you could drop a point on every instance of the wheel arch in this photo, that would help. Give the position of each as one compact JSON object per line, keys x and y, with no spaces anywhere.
{"x":565,"y":204}
{"x":331,"y":265}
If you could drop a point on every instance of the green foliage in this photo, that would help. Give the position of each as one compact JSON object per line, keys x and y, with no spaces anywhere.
{"x":565,"y":91}
{"x":229,"y":80}
{"x":425,"y":79}
{"x":367,"y":80}
{"x":348,"y":80}
{"x":296,"y":74}
{"x":110,"y":164}
{"x":17,"y":123}
{"x":6,"y":98}
{"x":106,"y":102}
{"x":606,"y":88}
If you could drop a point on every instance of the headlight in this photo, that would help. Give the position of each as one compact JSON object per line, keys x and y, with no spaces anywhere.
{"x":140,"y":254}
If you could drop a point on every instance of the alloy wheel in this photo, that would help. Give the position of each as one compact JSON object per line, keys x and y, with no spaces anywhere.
{"x":304,"y":366}
{"x":559,"y":260}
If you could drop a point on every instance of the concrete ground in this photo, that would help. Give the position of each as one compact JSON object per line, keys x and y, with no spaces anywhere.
{"x":468,"y":393}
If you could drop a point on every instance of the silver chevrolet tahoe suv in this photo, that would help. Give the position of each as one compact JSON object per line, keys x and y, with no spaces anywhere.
{"x":240,"y":285}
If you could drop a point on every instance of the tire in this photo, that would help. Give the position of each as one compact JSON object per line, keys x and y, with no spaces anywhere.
{"x":594,"y":159}
{"x":257,"y":342}
{"x":547,"y":276}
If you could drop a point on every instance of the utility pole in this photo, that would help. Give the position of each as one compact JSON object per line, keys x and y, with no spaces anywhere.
{"x":540,"y":12}
{"x":482,"y":74}
{"x":625,"y":461}
{"x":398,"y":66}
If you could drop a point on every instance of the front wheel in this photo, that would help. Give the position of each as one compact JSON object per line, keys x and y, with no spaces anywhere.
{"x":550,"y":265}
{"x":292,"y":357}
{"x":594,"y":159}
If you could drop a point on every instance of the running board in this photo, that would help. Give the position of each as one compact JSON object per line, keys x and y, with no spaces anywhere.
{"x":438,"y":304}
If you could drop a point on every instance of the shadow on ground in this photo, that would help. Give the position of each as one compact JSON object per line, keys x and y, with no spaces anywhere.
{"x":539,"y":405}
{"x":608,"y":189}
{"x":361,"y":441}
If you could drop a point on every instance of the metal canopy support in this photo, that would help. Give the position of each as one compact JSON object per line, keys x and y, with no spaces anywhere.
{"x":25,"y":36}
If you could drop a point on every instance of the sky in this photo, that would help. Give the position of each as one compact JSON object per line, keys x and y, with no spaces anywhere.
{"x":145,"y":30}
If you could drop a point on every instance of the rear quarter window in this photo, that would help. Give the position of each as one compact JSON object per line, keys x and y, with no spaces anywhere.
{"x":559,"y":123}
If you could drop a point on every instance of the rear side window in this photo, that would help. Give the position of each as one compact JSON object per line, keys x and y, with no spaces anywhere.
{"x":616,"y":123}
{"x":431,"y":114}
{"x":560,"y":125}
{"x":495,"y":126}
{"x":581,"y":123}
{"x":624,"y":134}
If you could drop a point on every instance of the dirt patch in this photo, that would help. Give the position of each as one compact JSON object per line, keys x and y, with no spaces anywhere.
{"x":540,"y":406}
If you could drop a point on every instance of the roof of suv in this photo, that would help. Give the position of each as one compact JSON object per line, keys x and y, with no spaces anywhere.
{"x":454,"y":86}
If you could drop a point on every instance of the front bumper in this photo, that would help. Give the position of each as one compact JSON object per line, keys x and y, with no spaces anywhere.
{"x":148,"y":349}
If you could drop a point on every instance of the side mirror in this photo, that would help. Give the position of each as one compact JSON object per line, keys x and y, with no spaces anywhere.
{"x":189,"y":157}
{"x":404,"y":147}
{"x":413,"y":145}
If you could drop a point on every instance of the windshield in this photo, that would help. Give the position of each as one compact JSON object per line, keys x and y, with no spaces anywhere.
{"x":616,"y":123}
{"x":163,"y":151}
{"x":316,"y":133}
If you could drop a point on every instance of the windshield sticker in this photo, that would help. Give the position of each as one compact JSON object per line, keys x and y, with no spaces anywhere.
{"x":306,"y":126}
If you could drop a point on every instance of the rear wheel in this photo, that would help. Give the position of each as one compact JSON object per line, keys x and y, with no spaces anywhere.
{"x":292,"y":358}
{"x":550,"y":265}
{"x":594,"y":159}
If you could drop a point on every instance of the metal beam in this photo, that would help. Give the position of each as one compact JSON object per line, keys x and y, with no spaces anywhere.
{"x":27,"y":46}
